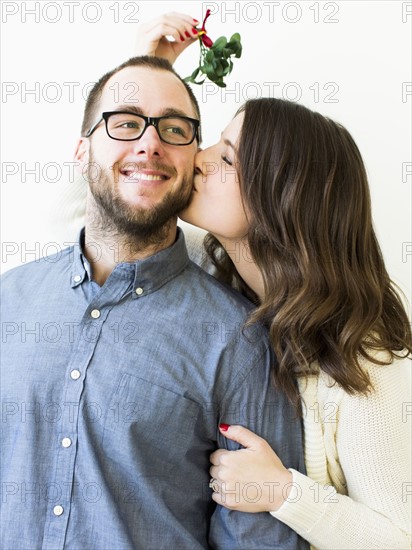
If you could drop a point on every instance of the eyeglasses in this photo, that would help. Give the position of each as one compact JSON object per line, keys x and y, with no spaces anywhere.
{"x":125,"y":126}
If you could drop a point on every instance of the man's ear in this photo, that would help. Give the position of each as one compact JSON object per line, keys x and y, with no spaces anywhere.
{"x":81,"y":154}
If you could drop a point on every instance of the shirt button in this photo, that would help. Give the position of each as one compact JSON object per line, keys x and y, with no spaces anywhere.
{"x":77,"y":278}
{"x":58,"y":510}
{"x":75,"y":374}
{"x":66,"y":442}
{"x":139,"y":291}
{"x":95,"y":313}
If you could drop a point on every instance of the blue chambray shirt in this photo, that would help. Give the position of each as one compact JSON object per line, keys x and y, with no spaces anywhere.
{"x":111,"y":398}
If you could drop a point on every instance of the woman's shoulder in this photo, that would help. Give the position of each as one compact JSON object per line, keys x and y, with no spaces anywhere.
{"x":382,"y":368}
{"x":390,"y":377}
{"x":391,"y":387}
{"x":389,"y":374}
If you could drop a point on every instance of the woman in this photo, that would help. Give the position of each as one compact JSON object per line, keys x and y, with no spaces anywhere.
{"x":288,"y":213}
{"x":289,"y":210}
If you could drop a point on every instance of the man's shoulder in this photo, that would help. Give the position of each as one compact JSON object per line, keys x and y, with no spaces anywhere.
{"x":39,"y":268}
{"x":223,"y":311}
{"x":208,"y":284}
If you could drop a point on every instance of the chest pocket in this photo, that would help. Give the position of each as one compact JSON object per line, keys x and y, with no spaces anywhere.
{"x":145,"y":419}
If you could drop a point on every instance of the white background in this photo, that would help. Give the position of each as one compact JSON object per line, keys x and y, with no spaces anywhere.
{"x":356,"y":54}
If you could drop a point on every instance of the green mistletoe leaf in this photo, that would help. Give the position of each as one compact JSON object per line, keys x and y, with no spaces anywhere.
{"x":219,"y":44}
{"x":215,"y":60}
{"x":210,"y":56}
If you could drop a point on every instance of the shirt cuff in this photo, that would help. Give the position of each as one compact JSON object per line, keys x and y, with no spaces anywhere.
{"x":306,"y":503}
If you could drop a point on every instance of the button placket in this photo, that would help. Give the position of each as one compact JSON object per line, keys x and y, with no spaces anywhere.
{"x":79,"y":360}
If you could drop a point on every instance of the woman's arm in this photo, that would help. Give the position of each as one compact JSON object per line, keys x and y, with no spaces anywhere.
{"x":151,"y":36}
{"x":373,"y":446}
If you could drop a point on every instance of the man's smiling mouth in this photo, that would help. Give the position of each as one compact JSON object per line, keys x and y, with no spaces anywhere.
{"x":143,"y":175}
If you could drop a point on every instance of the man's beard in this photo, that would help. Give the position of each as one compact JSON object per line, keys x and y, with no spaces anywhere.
{"x":148,"y":226}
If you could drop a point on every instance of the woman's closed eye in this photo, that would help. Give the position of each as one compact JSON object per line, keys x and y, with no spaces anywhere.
{"x":227,"y":161}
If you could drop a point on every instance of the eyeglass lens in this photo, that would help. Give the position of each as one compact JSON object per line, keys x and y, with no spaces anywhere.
{"x":173,"y":130}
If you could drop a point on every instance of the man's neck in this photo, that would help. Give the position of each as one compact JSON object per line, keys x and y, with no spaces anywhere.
{"x":105,"y":251}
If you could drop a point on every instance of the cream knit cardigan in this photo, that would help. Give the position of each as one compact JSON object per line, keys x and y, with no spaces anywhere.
{"x":360,"y":449}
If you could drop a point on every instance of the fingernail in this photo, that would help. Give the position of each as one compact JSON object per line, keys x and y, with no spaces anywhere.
{"x":195,"y":31}
{"x":187,"y":34}
{"x":224,"y":427}
{"x":195,"y":20}
{"x":181,"y":38}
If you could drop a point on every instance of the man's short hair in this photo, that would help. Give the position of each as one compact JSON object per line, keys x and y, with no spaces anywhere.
{"x":90,"y":111}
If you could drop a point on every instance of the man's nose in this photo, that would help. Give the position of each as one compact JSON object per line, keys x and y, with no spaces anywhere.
{"x":149,"y":145}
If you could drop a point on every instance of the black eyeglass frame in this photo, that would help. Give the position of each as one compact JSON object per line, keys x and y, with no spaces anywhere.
{"x":149,"y":121}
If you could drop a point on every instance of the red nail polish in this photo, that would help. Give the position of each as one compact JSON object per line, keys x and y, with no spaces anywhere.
{"x":187,"y":34}
{"x":195,"y":31}
{"x":224,"y":427}
{"x":195,"y":20}
{"x":181,"y":38}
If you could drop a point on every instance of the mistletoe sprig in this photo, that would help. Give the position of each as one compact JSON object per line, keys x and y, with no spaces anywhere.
{"x":215,"y":61}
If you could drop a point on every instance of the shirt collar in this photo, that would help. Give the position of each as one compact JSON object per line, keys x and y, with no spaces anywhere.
{"x":148,"y":275}
{"x":78,"y":272}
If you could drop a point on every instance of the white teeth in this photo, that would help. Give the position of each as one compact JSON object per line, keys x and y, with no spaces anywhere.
{"x":146,"y":177}
{"x":150,"y":177}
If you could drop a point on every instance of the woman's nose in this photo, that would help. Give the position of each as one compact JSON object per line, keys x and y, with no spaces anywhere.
{"x":198,"y":161}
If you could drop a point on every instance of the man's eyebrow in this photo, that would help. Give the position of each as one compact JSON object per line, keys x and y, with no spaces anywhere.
{"x":169,"y":111}
{"x":129,"y":108}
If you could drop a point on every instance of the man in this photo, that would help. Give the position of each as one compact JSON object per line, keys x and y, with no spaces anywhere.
{"x":120,"y":356}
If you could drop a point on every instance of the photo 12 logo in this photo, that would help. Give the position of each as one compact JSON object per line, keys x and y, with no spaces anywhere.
{"x":239,"y":92}
{"x":290,"y":12}
{"x":69,"y":12}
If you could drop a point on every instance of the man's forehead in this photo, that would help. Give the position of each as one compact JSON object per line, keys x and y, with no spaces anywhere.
{"x":146,"y":87}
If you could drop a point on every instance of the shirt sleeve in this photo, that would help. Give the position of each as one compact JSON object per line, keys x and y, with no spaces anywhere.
{"x":255,"y":404}
{"x":373,"y":444}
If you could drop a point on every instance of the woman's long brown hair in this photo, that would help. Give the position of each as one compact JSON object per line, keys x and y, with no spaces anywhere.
{"x":328,"y":297}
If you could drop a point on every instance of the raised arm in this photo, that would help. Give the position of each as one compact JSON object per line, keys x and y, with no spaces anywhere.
{"x":152,"y":36}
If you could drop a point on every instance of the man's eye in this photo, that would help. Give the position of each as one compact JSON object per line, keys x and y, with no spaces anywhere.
{"x":227,"y":161}
{"x":175,"y":130}
{"x":128,"y":124}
